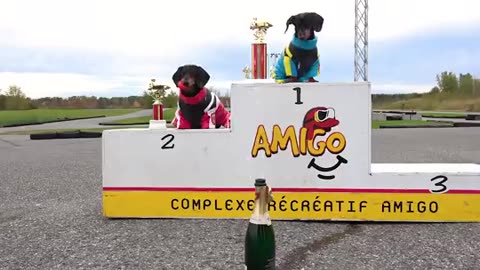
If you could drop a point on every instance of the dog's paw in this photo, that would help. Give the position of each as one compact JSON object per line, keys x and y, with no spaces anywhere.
{"x":292,"y":79}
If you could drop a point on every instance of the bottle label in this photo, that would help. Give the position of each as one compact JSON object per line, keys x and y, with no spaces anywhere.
{"x":261,"y":220}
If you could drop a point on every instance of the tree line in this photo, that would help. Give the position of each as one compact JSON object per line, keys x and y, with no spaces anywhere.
{"x":15,"y":99}
{"x":462,"y":85}
{"x":448,"y":84}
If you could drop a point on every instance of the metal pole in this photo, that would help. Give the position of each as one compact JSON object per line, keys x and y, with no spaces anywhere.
{"x":361,"y":40}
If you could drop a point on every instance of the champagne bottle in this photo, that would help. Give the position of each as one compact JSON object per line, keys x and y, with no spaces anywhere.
{"x":260,"y":238}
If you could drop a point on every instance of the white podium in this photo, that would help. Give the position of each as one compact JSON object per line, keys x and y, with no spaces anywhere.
{"x":311,"y":141}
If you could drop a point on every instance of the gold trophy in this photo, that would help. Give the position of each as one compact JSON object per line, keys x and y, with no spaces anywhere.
{"x":157,"y":92}
{"x":272,"y":72}
{"x":259,"y":48}
{"x":260,"y":28}
{"x":273,"y":61}
{"x":246,"y":72}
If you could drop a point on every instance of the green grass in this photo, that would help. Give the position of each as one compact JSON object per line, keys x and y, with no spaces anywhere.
{"x":168,"y":115}
{"x":439,"y":114}
{"x":377,"y":123}
{"x":434,"y":102}
{"x":28,"y":132}
{"x":39,"y":116}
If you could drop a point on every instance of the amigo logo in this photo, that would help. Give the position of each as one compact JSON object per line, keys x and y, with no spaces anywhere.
{"x":299,"y":144}
{"x":313,"y":138}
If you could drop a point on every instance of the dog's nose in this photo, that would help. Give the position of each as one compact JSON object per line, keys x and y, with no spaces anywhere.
{"x":185,"y":83}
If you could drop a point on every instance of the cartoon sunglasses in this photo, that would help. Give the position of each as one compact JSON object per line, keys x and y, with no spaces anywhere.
{"x":319,"y":115}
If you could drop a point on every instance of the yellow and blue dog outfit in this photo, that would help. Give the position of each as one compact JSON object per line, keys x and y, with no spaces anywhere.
{"x":299,"y":62}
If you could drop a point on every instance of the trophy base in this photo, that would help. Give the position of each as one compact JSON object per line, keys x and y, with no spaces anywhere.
{"x":157,"y":124}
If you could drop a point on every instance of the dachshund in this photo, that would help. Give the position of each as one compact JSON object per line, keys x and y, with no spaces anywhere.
{"x":197,"y":107}
{"x":300,"y":61}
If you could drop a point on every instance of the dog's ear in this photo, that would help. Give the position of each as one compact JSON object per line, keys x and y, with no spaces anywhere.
{"x":177,"y":76}
{"x":315,"y":21}
{"x":202,"y":77}
{"x":291,"y":20}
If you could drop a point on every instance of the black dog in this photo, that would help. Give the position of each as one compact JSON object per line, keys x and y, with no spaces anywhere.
{"x":193,"y":78}
{"x":300,"y":60}
{"x":305,"y":25}
{"x":198,"y":107}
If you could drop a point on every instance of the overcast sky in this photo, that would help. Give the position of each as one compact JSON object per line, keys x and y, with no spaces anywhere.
{"x":109,"y":48}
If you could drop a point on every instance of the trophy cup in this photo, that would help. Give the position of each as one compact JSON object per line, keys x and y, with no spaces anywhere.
{"x":259,"y":48}
{"x":273,"y":61}
{"x":246,"y":72}
{"x":260,"y":30}
{"x":272,"y":72}
{"x":157,"y":92}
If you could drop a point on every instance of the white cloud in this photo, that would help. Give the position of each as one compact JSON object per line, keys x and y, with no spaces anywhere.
{"x":157,"y":28}
{"x":166,"y":30}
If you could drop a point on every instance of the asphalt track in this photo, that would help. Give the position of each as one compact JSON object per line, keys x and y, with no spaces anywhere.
{"x":51,"y":218}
